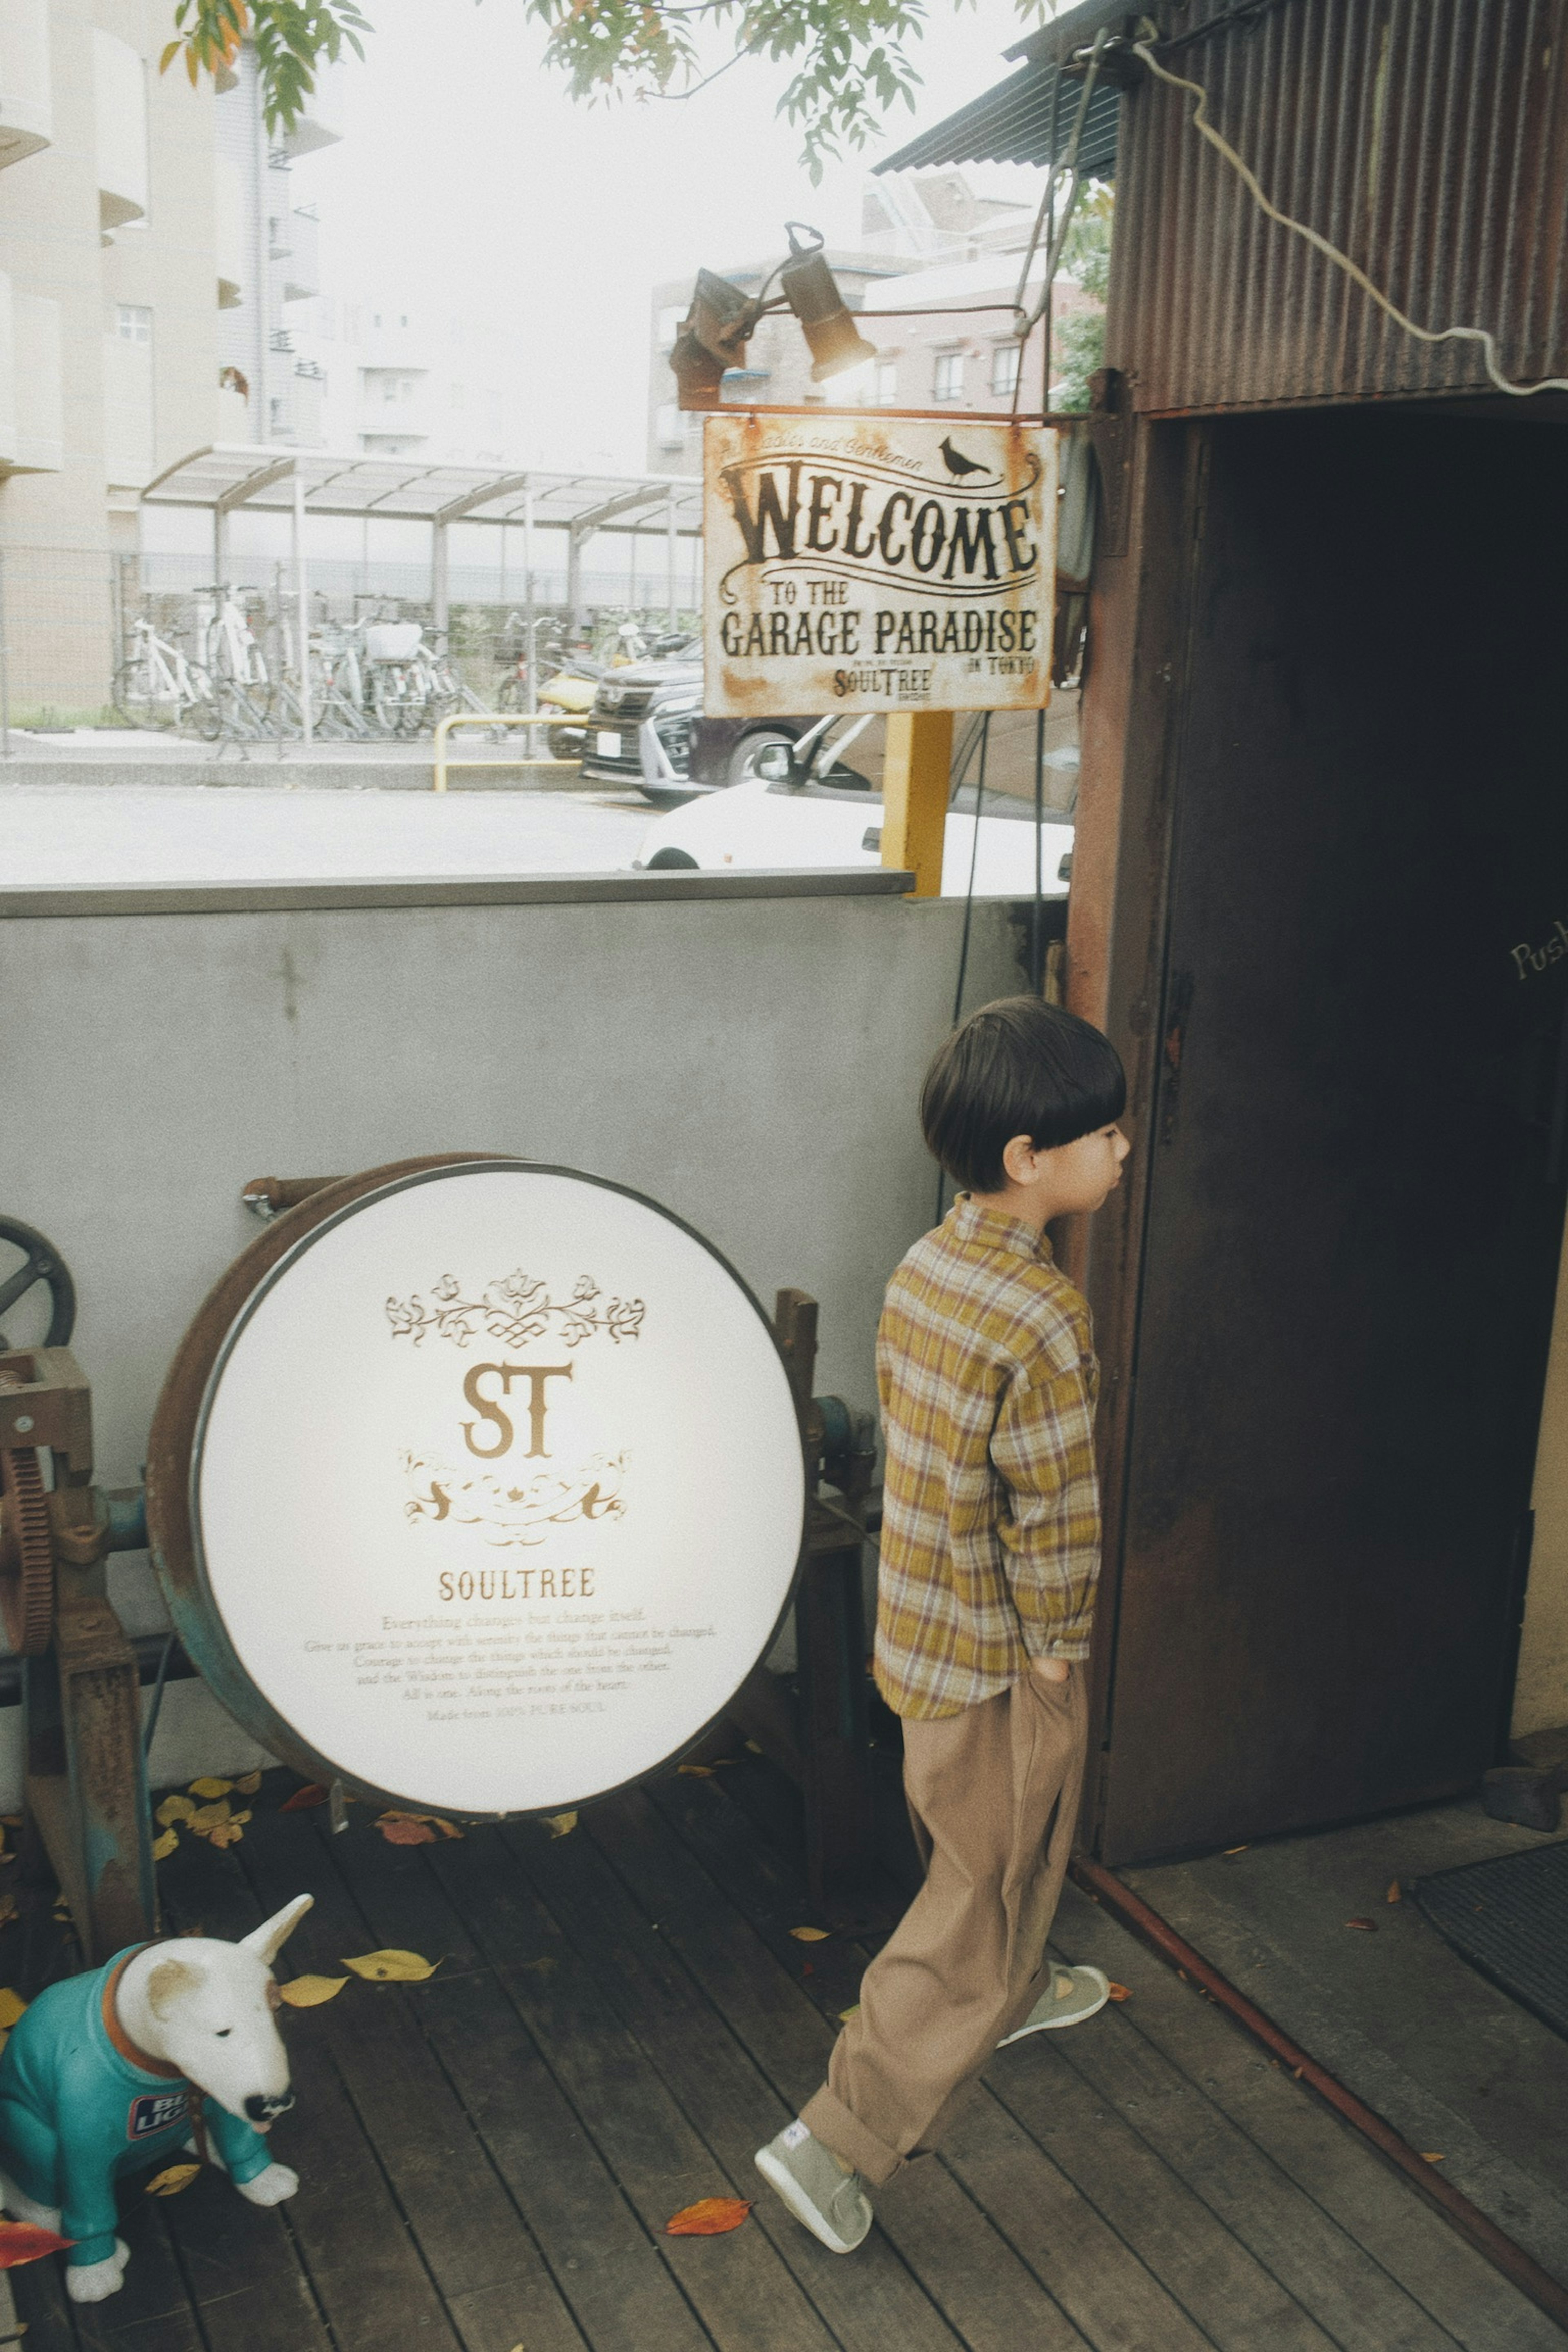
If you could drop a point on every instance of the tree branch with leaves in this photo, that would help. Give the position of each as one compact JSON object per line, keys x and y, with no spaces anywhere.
{"x":849,"y":58}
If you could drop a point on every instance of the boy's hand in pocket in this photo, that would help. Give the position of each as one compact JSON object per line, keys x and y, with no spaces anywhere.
{"x":1049,"y":1670}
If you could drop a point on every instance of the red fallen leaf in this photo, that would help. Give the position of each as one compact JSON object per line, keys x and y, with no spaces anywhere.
{"x":312,"y":1793}
{"x":404,"y":1833}
{"x":1367,"y":1927}
{"x":1119,"y":1992}
{"x":20,"y":2242}
{"x":709,"y":2218}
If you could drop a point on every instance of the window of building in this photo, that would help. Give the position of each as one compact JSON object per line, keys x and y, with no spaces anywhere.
{"x":670,"y":426}
{"x":887,"y":383}
{"x":134,"y":323}
{"x":389,"y":387}
{"x":1004,"y":362}
{"x":948,"y":381}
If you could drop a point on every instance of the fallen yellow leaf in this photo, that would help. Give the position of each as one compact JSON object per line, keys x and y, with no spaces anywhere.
{"x":809,"y":1935}
{"x":309,"y":1992}
{"x":392,"y":1967}
{"x":206,"y":1817}
{"x":561,"y":1825}
{"x":249,"y":1783}
{"x":172,"y":1810}
{"x":225,"y":1833}
{"x":846,"y":2014}
{"x":696,"y":1771}
{"x":209,"y":1786}
{"x":1119,"y":1992}
{"x":751,"y":1748}
{"x":1428,"y":2157}
{"x":163,"y":1847}
{"x":1395,"y":1891}
{"x":11,"y":2007}
{"x":171,"y":2182}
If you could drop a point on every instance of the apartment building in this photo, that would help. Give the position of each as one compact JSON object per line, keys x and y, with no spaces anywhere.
{"x":108,"y":294}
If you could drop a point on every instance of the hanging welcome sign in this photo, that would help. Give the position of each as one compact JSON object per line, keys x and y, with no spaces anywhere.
{"x":872,"y":563}
{"x":485,"y":1491}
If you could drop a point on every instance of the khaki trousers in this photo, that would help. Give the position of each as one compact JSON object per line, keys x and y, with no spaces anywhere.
{"x":993,"y":1797}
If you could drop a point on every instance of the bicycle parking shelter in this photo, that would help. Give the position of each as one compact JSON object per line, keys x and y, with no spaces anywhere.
{"x":225,"y":477}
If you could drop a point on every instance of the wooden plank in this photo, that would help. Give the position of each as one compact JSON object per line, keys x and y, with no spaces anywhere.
{"x":466,"y":2227}
{"x":738,"y":2286}
{"x":38,"y":2290}
{"x":603,"y":2261}
{"x":598,"y":2254}
{"x":344,"y":2224}
{"x":969,"y":2269}
{"x":868,"y":2304}
{"x":1153,"y":2207}
{"x":1311,"y":2256}
{"x":1347,"y":2180}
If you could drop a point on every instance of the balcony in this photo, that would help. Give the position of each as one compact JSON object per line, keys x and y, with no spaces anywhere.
{"x":119,"y":99}
{"x":27,"y":113}
{"x":301,"y":273}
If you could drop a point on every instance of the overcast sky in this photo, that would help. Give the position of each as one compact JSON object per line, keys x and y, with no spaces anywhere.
{"x":469,"y":180}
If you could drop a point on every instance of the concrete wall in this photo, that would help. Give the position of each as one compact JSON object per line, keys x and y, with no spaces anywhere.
{"x":750,"y":1060}
{"x":1541,"y":1692}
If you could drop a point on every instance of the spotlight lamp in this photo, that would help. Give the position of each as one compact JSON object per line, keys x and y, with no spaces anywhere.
{"x":812,"y":292}
{"x":713,"y":336}
{"x":721,"y":320}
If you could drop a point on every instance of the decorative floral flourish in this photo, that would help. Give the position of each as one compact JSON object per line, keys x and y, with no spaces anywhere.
{"x":515,"y":1309}
{"x":514,"y":1515}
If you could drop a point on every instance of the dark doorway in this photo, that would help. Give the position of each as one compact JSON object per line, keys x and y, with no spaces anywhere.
{"x":1357,"y":1148}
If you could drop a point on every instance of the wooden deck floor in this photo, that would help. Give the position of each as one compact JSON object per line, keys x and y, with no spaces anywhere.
{"x":620,"y":2018}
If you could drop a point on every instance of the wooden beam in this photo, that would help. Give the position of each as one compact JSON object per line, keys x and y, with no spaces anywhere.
{"x":916,"y":766}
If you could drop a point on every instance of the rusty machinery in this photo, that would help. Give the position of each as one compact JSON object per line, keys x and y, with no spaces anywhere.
{"x":85,"y":1773}
{"x":85,"y":1778}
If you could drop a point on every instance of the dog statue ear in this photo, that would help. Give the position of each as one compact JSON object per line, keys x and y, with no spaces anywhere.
{"x":268,"y":1940}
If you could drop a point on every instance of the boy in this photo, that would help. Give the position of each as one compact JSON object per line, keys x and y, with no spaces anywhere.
{"x":989,"y":1557}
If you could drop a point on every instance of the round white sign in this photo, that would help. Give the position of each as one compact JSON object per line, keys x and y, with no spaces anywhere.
{"x":498,"y":1487}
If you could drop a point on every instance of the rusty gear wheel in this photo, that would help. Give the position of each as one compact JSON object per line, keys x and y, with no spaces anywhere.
{"x":27,"y":1554}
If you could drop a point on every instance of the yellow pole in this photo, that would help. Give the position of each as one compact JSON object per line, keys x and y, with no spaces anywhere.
{"x":916,"y":769}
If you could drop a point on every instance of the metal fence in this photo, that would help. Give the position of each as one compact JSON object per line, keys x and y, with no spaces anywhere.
{"x":75,"y":622}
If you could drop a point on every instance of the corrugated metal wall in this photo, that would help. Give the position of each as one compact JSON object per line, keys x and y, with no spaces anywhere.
{"x":1429,"y":139}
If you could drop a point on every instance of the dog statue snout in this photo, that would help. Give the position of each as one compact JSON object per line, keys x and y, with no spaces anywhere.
{"x":262,"y":2108}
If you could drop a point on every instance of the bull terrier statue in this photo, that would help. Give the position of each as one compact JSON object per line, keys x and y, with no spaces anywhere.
{"x":172,"y":2045}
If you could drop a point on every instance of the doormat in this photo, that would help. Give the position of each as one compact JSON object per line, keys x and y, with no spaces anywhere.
{"x":1509,"y":1918}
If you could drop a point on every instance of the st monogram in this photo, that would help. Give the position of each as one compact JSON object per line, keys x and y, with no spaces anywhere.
{"x":508,"y":1411}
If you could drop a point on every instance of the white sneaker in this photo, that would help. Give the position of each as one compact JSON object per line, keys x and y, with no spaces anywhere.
{"x":831,"y":2202}
{"x":1072,"y":1995}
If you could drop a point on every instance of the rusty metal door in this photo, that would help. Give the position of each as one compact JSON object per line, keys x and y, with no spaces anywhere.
{"x":1356,"y":1174}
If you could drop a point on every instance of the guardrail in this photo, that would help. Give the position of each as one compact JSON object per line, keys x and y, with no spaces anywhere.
{"x":494,"y":718}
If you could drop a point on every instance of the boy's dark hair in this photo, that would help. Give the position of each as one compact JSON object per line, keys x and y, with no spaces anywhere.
{"x":1016,"y":1068}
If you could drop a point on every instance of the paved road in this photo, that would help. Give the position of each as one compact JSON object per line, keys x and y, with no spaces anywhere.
{"x":98,"y":836}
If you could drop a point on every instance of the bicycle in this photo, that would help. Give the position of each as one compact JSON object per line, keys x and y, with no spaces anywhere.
{"x":243,"y":691}
{"x":158,"y":684}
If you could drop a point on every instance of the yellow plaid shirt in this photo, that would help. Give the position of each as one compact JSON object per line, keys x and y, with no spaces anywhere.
{"x":991,"y":1507}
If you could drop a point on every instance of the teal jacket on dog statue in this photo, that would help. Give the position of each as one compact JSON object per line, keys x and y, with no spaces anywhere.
{"x":170,"y":2044}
